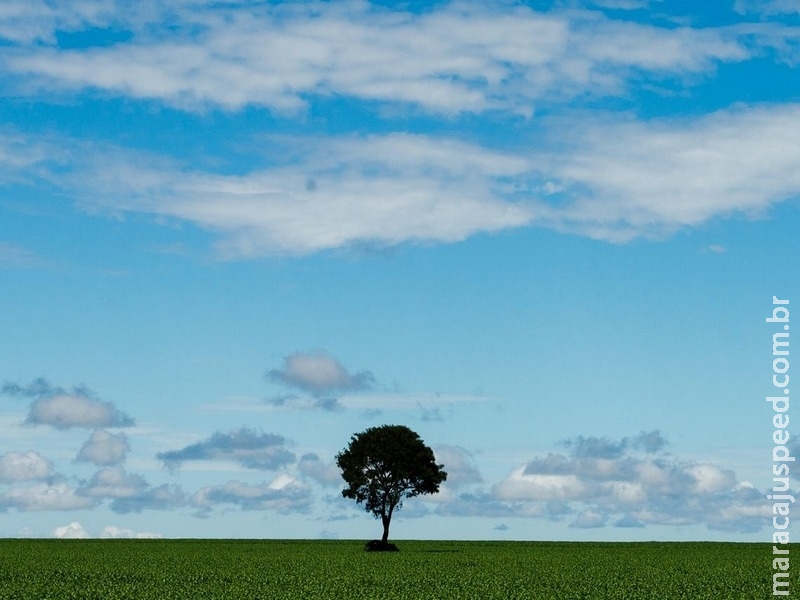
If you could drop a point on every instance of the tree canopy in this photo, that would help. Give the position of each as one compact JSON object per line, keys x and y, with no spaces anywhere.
{"x":383,"y":465}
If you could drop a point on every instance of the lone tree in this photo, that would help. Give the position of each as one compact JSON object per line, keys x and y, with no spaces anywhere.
{"x":383,"y":465}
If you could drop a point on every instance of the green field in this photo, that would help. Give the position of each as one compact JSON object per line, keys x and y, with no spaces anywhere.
{"x":196,"y":569}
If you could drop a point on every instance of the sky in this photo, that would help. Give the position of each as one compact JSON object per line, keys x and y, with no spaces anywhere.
{"x":543,"y":235}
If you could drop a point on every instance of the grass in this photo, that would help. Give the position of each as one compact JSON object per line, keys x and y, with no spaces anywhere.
{"x":331,"y":570}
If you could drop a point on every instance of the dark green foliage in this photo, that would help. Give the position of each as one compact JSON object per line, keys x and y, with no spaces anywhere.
{"x":383,"y":465}
{"x":341,"y":570}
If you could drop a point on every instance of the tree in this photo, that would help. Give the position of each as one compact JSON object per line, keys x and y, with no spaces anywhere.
{"x":383,"y":465}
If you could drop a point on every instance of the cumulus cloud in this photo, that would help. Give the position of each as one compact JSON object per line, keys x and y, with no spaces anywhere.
{"x":628,"y":521}
{"x":73,"y":531}
{"x":319,"y":374}
{"x":589,"y":519}
{"x":114,"y":482}
{"x":76,"y":531}
{"x":104,"y":448}
{"x":311,"y":465}
{"x":482,"y":504}
{"x":67,"y":411}
{"x":459,"y":465}
{"x":24,"y":466}
{"x":251,"y":449}
{"x":130,"y":492}
{"x":113,"y":532}
{"x":284,"y":494}
{"x":521,"y":485}
{"x":632,"y":483}
{"x":162,"y":497}
{"x":44,"y":496}
{"x":66,"y":408}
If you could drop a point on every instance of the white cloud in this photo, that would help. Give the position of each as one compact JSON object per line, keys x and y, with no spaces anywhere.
{"x":326,"y":473}
{"x":44,"y":496}
{"x":130,"y":492}
{"x":319,"y":373}
{"x":64,"y":411}
{"x":76,"y":531}
{"x":113,"y":532}
{"x":627,"y":492}
{"x":634,"y":481}
{"x":114,"y":482}
{"x":710,"y":479}
{"x":621,"y":180}
{"x":767,"y":7}
{"x":27,"y":21}
{"x":607,"y":179}
{"x":459,"y":466}
{"x":104,"y":448}
{"x":24,"y":466}
{"x":252,"y":449}
{"x":284,"y":494}
{"x":73,"y":531}
{"x":622,"y":4}
{"x":606,"y":46}
{"x":453,"y":58}
{"x":588,"y":519}
{"x":381,"y":190}
{"x":524,"y":486}
{"x":627,"y":179}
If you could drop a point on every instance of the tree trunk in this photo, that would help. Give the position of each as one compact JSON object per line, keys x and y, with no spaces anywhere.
{"x":386,"y":520}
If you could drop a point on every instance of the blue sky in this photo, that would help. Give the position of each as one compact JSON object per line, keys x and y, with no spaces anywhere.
{"x":543,"y":235}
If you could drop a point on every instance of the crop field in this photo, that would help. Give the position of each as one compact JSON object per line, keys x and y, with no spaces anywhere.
{"x":304,"y":570}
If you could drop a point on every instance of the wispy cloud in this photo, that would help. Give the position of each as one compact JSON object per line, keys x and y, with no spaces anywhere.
{"x":13,"y":256}
{"x":620,"y":180}
{"x":767,"y":7}
{"x":601,"y":447}
{"x":374,"y":190}
{"x":607,"y":177}
{"x":453,"y":58}
{"x":40,"y":388}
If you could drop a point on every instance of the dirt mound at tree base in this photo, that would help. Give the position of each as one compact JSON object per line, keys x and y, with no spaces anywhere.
{"x":380,"y":546}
